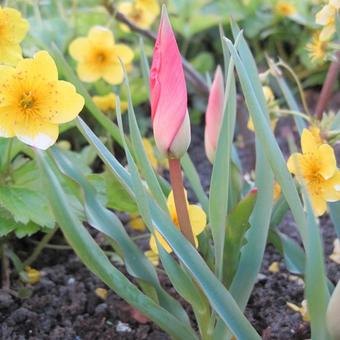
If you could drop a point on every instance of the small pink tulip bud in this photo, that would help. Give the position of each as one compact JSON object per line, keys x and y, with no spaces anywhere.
{"x":214,"y":114}
{"x":169,"y":115}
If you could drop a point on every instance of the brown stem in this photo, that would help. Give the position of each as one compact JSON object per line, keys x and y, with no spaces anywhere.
{"x":192,"y":75}
{"x":327,"y":87}
{"x":176,"y":180}
{"x":5,"y":271}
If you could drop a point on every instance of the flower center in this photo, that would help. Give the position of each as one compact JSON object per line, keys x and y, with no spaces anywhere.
{"x":137,"y":14}
{"x":27,"y":100}
{"x":101,"y":57}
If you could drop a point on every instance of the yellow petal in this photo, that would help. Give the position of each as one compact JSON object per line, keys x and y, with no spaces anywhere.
{"x":33,"y":275}
{"x":42,"y":67}
{"x":102,"y":293}
{"x":6,"y":72}
{"x":114,"y":74}
{"x":315,"y":131}
{"x":100,"y":35}
{"x":274,"y":267}
{"x":125,"y":8}
{"x":151,"y":6}
{"x":153,"y":257}
{"x":79,"y":48}
{"x":327,"y":32}
{"x":308,"y":143}
{"x":327,"y":161}
{"x":198,"y":219}
{"x":137,"y":223}
{"x":319,"y":204}
{"x":36,"y":133}
{"x":105,"y":103}
{"x":294,"y":163}
{"x":268,"y":94}
{"x":331,"y":188}
{"x":124,"y":52}
{"x":88,"y":73}
{"x":150,"y":153}
{"x":17,"y":28}
{"x":153,"y":244}
{"x":325,"y":15}
{"x":6,"y":122}
{"x":63,"y":104}
{"x":10,"y":54}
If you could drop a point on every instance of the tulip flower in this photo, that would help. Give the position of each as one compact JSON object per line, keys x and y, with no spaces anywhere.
{"x":169,"y":115}
{"x":214,"y":114}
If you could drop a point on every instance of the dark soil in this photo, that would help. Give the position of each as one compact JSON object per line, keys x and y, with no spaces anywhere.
{"x":63,"y":305}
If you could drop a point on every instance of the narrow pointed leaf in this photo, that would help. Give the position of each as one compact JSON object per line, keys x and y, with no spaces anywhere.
{"x":95,"y":259}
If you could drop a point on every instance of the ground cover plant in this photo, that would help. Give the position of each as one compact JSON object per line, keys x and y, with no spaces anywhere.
{"x":171,"y":147}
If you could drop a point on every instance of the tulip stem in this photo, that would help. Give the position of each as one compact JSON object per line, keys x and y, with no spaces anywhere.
{"x":176,"y":180}
{"x":327,"y":87}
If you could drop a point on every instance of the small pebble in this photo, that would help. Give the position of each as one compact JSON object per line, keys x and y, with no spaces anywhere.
{"x":261,"y":277}
{"x":122,"y":327}
{"x":71,"y":281}
{"x":101,"y":308}
{"x":5,"y":299}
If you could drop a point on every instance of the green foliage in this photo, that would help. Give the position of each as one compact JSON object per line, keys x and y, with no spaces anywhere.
{"x":113,"y":193}
{"x":236,"y":226}
{"x":69,"y":187}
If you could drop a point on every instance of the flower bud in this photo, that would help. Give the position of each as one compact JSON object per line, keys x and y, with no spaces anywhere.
{"x":214,"y":114}
{"x":169,"y":115}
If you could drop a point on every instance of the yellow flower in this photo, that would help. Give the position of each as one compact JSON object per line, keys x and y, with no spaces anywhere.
{"x":285,"y":9}
{"x":326,"y":18}
{"x":141,"y":12}
{"x":33,"y":101}
{"x":316,"y":167}
{"x":149,"y":150}
{"x":13,"y":29}
{"x":197,"y":217}
{"x":317,"y":49}
{"x":272,"y":107}
{"x":153,"y":257}
{"x":303,"y":310}
{"x":155,"y":162}
{"x":137,"y":223}
{"x":108,"y":103}
{"x":277,"y":191}
{"x":33,"y":275}
{"x":98,"y":56}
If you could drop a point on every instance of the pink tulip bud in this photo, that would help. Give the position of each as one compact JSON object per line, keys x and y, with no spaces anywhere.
{"x":214,"y":114}
{"x":170,"y":118}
